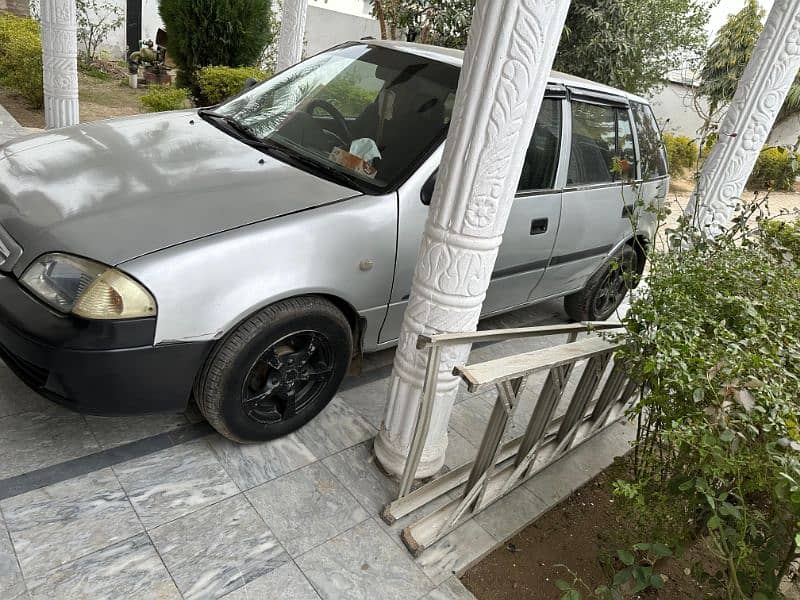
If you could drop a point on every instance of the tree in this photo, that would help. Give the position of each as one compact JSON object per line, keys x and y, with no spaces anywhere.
{"x":631,"y":44}
{"x":438,"y":22}
{"x":96,"y":20}
{"x":231,"y":33}
{"x":726,"y":59}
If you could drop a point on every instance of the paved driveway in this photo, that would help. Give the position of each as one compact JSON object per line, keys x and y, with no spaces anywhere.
{"x":162,"y":507}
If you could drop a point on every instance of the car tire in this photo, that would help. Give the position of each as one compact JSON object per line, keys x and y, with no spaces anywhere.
{"x":276,"y":371}
{"x":606,"y":289}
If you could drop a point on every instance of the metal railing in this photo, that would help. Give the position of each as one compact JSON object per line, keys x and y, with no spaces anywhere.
{"x":500,"y":467}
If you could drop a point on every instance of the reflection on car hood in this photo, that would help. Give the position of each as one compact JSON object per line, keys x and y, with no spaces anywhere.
{"x":114,"y":190}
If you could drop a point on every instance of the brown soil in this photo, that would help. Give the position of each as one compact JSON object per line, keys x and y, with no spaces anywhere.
{"x":99,"y":99}
{"x":582,"y":533}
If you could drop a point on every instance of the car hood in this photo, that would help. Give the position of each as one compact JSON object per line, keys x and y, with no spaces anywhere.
{"x":114,"y":190}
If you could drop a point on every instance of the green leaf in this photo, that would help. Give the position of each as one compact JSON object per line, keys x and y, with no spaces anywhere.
{"x":563,"y":585}
{"x":714,"y":522}
{"x":626,"y":556}
{"x":661,"y":550}
{"x":727,"y":435}
{"x":656,"y":581}
{"x":622,"y":577}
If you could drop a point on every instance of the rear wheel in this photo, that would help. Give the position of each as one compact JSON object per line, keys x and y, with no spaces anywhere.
{"x":606,"y":289}
{"x":276,"y":371}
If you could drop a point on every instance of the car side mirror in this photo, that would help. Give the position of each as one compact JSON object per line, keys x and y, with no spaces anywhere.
{"x":426,"y":193}
{"x":249,"y":83}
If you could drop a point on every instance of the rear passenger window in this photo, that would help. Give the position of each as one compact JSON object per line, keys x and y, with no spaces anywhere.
{"x":541,"y":161}
{"x":593,"y":144}
{"x":651,"y":150}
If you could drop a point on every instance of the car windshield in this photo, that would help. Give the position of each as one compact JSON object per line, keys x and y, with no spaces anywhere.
{"x":361,"y":114}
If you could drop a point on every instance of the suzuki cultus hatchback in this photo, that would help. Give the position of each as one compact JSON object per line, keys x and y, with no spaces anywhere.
{"x":244,"y":254}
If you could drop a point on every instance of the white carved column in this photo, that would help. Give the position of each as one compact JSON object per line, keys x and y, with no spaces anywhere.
{"x":60,"y":62}
{"x":508,"y":58}
{"x":292,"y":34}
{"x":749,"y":120}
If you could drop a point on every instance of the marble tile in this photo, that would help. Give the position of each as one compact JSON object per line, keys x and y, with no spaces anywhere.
{"x":510,"y":514}
{"x":356,"y":469}
{"x":12,"y":585}
{"x":16,"y":397}
{"x":250,"y":465}
{"x":362,"y":563}
{"x":286,"y":582}
{"x":116,"y":431}
{"x":368,"y":399}
{"x":306,"y":507}
{"x":455,"y":552}
{"x":59,"y":523}
{"x":337,"y":427}
{"x":129,"y":569}
{"x":452,"y":589}
{"x":469,"y":419}
{"x":174,"y":482}
{"x":459,"y":450}
{"x":218,"y":549}
{"x":33,"y":441}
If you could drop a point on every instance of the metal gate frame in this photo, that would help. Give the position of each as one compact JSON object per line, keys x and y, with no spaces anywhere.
{"x":499,"y":467}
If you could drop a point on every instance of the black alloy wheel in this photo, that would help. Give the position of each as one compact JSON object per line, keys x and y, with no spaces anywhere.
{"x":288,"y":377}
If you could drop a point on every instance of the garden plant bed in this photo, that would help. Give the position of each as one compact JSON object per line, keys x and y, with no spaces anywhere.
{"x":582,"y":533}
{"x":100,"y":98}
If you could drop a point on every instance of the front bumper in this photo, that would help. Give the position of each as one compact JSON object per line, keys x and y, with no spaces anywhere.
{"x":95,"y":367}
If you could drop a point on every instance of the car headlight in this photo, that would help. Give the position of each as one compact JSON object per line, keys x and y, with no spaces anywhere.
{"x":87,"y":288}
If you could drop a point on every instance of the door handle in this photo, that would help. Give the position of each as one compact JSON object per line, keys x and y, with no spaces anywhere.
{"x":539,"y":226}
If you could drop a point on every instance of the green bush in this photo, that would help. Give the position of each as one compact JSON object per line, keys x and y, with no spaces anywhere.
{"x":776,"y":168}
{"x":232,"y":33}
{"x":681,"y":153}
{"x":160,"y":98}
{"x":714,"y":342}
{"x":785,"y":237}
{"x":21,"y":58}
{"x":215,"y":84}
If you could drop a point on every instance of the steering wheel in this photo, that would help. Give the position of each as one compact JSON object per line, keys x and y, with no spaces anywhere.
{"x":337,"y":116}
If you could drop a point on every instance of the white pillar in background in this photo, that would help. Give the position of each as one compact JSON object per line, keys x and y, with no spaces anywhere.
{"x":759,"y":97}
{"x":60,"y":62}
{"x":292,"y":34}
{"x":508,"y":59}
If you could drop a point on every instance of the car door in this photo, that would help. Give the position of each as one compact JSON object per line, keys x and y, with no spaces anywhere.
{"x":530,"y":234}
{"x":599,"y":193}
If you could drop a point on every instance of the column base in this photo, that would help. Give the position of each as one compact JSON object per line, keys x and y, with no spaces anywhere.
{"x":392,"y":458}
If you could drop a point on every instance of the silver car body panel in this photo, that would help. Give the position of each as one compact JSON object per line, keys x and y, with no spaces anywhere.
{"x":217,"y":230}
{"x":114,"y":190}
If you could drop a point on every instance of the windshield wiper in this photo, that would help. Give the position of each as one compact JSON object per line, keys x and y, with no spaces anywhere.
{"x":272,"y":148}
{"x":331,"y":172}
{"x":244,"y":132}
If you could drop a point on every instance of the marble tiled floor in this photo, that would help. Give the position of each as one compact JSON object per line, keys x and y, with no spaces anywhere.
{"x":172,"y":510}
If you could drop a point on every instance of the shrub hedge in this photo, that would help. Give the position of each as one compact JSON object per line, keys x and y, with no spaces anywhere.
{"x":161,"y":98}
{"x":776,"y":168}
{"x":21,"y":58}
{"x":213,"y":32}
{"x":681,"y":153}
{"x":215,"y":84}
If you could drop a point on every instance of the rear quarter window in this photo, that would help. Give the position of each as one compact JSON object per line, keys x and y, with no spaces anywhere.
{"x":651,"y":149}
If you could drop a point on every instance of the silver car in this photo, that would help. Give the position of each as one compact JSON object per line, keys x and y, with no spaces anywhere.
{"x":244,"y":254}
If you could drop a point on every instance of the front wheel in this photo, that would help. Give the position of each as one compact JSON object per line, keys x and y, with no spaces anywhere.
{"x":606,"y":289}
{"x":276,"y":371}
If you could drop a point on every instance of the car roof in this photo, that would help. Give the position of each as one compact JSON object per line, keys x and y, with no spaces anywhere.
{"x":455,"y":57}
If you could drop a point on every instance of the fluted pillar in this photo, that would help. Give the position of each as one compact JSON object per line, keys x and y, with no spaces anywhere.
{"x":60,"y":62}
{"x":508,"y":58}
{"x":293,"y":30}
{"x":746,"y":126}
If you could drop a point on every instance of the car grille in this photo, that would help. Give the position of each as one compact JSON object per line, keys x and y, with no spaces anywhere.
{"x":10,"y":251}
